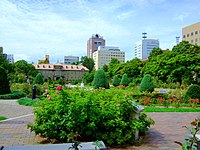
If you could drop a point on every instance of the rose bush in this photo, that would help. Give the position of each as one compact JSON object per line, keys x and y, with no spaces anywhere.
{"x":96,"y":115}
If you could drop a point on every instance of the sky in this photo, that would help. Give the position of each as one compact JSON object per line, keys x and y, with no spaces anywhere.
{"x":30,"y":29}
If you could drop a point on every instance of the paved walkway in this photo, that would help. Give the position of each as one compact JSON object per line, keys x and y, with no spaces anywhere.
{"x":167,"y":129}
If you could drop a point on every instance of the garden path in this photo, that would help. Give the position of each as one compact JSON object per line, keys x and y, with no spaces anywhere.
{"x":167,"y":128}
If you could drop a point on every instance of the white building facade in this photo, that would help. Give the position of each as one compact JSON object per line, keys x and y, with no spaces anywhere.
{"x":104,"y":55}
{"x":70,"y":59}
{"x":144,"y":47}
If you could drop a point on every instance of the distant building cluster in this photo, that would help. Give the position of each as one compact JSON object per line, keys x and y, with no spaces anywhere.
{"x":102,"y":54}
{"x":9,"y":57}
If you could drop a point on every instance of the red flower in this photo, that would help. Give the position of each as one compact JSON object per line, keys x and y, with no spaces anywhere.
{"x":59,"y":88}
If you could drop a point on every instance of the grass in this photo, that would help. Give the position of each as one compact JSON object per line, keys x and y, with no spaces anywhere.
{"x":2,"y":118}
{"x":28,"y":101}
{"x":180,"y":109}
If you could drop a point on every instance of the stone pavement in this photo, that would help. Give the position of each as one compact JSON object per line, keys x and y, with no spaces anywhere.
{"x":167,"y":128}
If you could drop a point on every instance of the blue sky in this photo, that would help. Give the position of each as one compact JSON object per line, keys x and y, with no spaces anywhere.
{"x":29,"y":29}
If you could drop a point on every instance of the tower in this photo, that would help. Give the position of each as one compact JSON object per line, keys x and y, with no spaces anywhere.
{"x":93,"y":43}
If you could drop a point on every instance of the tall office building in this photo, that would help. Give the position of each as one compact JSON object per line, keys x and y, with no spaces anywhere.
{"x":191,"y":33}
{"x":104,"y":55}
{"x":144,"y":47}
{"x":93,"y":43}
{"x":70,"y":59}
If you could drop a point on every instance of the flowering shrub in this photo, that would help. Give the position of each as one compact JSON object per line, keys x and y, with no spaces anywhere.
{"x":96,"y":115}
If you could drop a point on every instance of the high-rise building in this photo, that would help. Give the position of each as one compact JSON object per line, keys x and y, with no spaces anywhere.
{"x":191,"y":33}
{"x":10,"y":58}
{"x":144,"y":47}
{"x":93,"y":43}
{"x":70,"y":59}
{"x":104,"y":55}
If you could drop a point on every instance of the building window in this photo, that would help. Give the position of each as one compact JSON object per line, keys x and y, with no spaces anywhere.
{"x":192,"y":34}
{"x":196,"y":40}
{"x":43,"y":66}
{"x":188,"y":35}
{"x":183,"y":36}
{"x":196,"y":32}
{"x":49,"y":66}
{"x":66,"y":67}
{"x":191,"y":41}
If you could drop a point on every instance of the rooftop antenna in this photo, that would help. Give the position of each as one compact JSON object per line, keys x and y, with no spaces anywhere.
{"x":177,"y":39}
{"x":144,"y":35}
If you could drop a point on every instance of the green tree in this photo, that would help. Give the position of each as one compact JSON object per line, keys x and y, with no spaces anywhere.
{"x":147,"y":84}
{"x":125,"y":80}
{"x":105,"y":68}
{"x":112,"y":67}
{"x":38,"y":79}
{"x":100,"y":79}
{"x":89,"y":77}
{"x":4,"y":82}
{"x":155,"y":52}
{"x":193,"y":92}
{"x":116,"y":81}
{"x":88,"y":63}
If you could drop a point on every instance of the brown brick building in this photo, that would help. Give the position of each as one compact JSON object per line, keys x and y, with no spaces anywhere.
{"x":57,"y":70}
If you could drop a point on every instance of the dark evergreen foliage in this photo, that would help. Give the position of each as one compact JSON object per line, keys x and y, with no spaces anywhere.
{"x":100,"y":79}
{"x":116,"y":81}
{"x":4,"y":82}
{"x":147,"y":84}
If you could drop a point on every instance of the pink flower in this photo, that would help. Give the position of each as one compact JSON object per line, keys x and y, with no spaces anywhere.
{"x":59,"y":87}
{"x":49,"y":97}
{"x":118,"y":105}
{"x":46,"y":90}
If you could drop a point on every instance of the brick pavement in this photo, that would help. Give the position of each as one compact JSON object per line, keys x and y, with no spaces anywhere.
{"x":167,"y":128}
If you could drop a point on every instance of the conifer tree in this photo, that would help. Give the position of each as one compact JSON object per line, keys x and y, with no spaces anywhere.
{"x":100,"y":79}
{"x":147,"y":84}
{"x":125,"y":80}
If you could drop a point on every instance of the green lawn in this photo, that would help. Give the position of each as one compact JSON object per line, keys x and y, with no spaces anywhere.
{"x":28,"y":101}
{"x":163,"y":109}
{"x":2,"y":118}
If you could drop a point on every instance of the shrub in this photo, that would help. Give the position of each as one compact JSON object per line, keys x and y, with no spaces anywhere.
{"x":125,"y":80}
{"x":4,"y":82}
{"x":105,"y":116}
{"x":193,"y":92}
{"x":13,"y":95}
{"x":22,"y":87}
{"x":28,"y":101}
{"x":147,"y":84}
{"x":38,"y":79}
{"x":100,"y":79}
{"x":116,"y":81}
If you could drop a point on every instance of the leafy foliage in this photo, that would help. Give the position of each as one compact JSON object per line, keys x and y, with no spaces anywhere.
{"x":125,"y":80}
{"x":13,"y":95}
{"x":100,"y":79}
{"x":147,"y":84}
{"x":4,"y":82}
{"x":88,"y":63}
{"x":104,"y":116}
{"x":193,"y":92}
{"x":38,"y":79}
{"x":116,"y":81}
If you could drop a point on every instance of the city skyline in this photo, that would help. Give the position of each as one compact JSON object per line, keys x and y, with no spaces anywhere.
{"x":31,"y":29}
